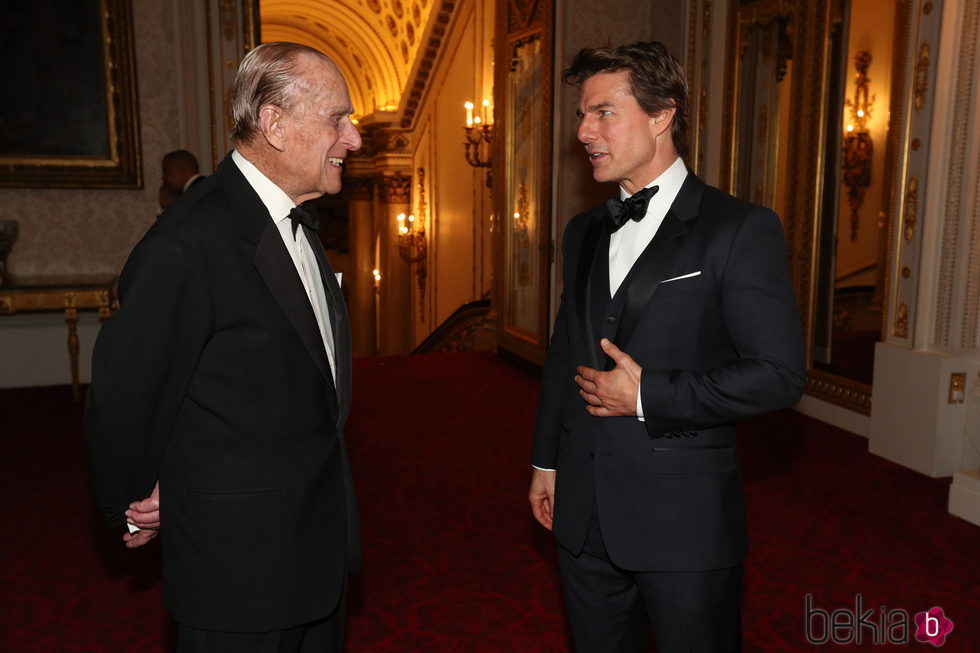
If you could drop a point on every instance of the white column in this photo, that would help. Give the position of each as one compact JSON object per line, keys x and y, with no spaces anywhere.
{"x":921,"y":416}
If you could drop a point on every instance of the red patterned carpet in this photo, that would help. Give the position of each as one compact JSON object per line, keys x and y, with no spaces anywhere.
{"x":454,"y":562}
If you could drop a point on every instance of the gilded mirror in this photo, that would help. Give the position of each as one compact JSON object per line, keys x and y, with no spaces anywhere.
{"x":807,"y":123}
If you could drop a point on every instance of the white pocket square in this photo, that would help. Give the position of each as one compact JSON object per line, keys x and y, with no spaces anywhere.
{"x":683,"y":276}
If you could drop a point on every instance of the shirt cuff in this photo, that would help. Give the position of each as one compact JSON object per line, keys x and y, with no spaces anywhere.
{"x":544,"y":469}
{"x":639,"y":403}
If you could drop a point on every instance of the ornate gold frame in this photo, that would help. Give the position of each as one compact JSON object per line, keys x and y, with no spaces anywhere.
{"x":810,"y":21}
{"x":520,"y":22}
{"x":122,"y":167}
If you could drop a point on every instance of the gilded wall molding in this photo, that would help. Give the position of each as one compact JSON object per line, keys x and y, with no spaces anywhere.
{"x":911,"y":208}
{"x":698,"y":73}
{"x":359,"y":189}
{"x":921,"y":77}
{"x":396,"y":188}
{"x":915,"y":62}
{"x":901,"y":329}
{"x":841,"y":392}
{"x":427,"y":62}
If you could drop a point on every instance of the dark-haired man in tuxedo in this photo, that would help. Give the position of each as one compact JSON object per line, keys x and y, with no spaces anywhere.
{"x":178,"y":172}
{"x":677,"y":319}
{"x":221,"y":387}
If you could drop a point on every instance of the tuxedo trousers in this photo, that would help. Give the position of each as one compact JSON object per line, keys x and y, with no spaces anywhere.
{"x":321,"y":636}
{"x":608,"y":607}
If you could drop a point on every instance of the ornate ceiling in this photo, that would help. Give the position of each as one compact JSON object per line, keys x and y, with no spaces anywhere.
{"x":375,"y":42}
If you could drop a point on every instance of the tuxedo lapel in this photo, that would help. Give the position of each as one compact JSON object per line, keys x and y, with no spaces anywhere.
{"x":272,"y":261}
{"x":650,"y":268}
{"x":583,"y":283}
{"x":277,"y":269}
{"x":339,"y":325}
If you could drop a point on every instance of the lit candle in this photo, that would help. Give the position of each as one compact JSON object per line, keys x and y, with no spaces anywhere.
{"x":486,"y":105}
{"x":469,"y":114}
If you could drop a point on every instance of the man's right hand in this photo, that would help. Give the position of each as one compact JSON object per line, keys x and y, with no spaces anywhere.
{"x":542,"y":496}
{"x":145,"y":515}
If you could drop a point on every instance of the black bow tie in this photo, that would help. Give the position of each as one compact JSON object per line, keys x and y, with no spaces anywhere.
{"x":634,"y":207}
{"x":307,"y":214}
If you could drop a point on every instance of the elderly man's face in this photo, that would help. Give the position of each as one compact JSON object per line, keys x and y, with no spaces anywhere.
{"x":319,"y":131}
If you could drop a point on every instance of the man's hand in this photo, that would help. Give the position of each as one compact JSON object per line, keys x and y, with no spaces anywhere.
{"x":542,"y":495}
{"x":612,"y":393}
{"x":145,"y":515}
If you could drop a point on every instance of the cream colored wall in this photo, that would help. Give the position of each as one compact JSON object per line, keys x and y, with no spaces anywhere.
{"x":458,"y":228}
{"x":67,"y":231}
{"x":872,"y":31}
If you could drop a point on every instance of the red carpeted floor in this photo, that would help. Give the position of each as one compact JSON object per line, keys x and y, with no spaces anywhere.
{"x":454,"y":562}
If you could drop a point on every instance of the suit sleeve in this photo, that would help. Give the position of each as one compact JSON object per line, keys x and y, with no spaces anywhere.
{"x":768,"y":369}
{"x":142,"y":364}
{"x":555,"y":376}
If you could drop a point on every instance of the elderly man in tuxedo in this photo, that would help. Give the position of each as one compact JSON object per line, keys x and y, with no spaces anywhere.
{"x":221,"y":387}
{"x":677,"y":319}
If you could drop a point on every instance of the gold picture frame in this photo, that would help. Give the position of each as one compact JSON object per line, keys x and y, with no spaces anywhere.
{"x":70,"y":118}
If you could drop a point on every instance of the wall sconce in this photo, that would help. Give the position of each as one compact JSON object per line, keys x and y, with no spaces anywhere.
{"x":412,"y":243}
{"x":479,"y":137}
{"x":858,"y":146}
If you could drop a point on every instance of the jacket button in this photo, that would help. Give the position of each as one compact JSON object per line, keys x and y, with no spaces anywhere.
{"x":611,"y":319}
{"x":591,"y":454}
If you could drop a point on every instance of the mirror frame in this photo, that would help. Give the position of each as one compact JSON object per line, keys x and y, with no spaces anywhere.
{"x":521,"y":22}
{"x":810,"y":22}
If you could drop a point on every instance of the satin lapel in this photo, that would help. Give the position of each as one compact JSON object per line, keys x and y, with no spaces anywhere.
{"x":650,"y":268}
{"x":649,"y":271}
{"x":277,"y":269}
{"x":339,"y":324}
{"x":583,"y":287}
{"x":340,"y":327}
{"x":272,"y":261}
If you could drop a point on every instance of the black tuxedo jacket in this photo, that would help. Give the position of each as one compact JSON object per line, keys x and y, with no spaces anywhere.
{"x":715,"y":346}
{"x":213,"y":378}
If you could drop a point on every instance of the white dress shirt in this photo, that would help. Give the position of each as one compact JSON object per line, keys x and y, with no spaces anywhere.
{"x":299,"y":248}
{"x":629,"y":241}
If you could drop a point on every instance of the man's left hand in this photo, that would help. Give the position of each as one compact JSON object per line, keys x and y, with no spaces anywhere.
{"x":145,"y":515}
{"x":612,"y":393}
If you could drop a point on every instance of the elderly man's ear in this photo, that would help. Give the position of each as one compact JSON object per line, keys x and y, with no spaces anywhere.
{"x":270,"y":123}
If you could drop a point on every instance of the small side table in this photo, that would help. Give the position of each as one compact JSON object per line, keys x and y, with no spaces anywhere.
{"x":69,"y":294}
